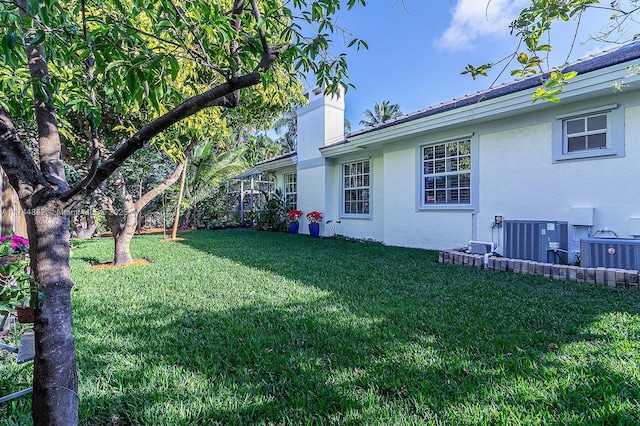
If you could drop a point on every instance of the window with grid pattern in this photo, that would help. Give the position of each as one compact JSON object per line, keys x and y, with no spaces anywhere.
{"x":446,"y":173}
{"x":586,"y":133}
{"x":291,"y":191}
{"x":356,"y":180}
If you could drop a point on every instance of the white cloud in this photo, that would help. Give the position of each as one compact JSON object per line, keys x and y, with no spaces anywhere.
{"x":473,"y":19}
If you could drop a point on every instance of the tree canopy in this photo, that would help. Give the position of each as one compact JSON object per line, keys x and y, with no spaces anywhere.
{"x":383,"y":111}
{"x":125,"y":72}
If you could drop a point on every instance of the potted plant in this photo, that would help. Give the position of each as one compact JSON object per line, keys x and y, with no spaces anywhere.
{"x":15,"y":283}
{"x":314,"y":219}
{"x":293,"y":216}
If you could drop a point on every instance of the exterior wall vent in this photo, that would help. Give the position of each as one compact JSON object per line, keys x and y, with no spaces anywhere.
{"x":610,"y":253}
{"x":540,"y":241}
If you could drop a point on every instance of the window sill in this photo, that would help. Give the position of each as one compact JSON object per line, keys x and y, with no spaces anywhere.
{"x":355,"y":216}
{"x":440,"y":207}
{"x":593,"y":154}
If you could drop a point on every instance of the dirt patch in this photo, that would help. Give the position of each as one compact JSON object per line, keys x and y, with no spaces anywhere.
{"x":110,"y":265}
{"x":167,"y":240}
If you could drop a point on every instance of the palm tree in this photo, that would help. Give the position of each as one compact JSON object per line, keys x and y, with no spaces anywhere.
{"x":289,"y":123}
{"x":382,"y":112}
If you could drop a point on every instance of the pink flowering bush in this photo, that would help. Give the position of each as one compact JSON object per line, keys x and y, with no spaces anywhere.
{"x":13,"y":244}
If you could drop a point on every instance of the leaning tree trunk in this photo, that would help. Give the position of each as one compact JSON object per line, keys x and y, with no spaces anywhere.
{"x":174,"y":230}
{"x":55,"y":381}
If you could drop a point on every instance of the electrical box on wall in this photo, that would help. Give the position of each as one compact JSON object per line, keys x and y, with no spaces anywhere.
{"x":581,"y":216}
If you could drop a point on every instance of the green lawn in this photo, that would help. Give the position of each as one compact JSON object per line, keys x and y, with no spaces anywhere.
{"x":241,"y":327}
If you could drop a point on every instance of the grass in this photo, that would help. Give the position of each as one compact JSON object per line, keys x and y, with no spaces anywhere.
{"x":232,"y":327}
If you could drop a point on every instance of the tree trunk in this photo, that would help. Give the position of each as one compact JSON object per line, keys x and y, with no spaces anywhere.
{"x":122,"y":239}
{"x":55,"y":380}
{"x":174,"y":231}
{"x":84,"y":224}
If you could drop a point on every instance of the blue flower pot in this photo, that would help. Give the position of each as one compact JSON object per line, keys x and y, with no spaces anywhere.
{"x":314,"y":229}
{"x":294,"y":227}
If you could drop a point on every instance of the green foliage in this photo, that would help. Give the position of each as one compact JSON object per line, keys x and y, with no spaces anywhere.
{"x":553,"y":87}
{"x":382,"y":112}
{"x":532,"y":27}
{"x":476,"y":71}
{"x":15,"y":284}
{"x":272,"y":216}
{"x":149,"y":56}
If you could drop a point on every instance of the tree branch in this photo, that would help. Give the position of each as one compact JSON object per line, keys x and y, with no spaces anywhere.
{"x":16,"y":161}
{"x":217,"y":96}
{"x":150,"y":195}
{"x":48,"y":137}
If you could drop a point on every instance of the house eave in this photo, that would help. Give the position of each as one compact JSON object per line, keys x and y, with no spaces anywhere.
{"x":583,"y":87}
{"x":286,"y":160}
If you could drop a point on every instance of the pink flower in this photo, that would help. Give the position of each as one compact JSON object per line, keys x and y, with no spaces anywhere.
{"x":17,"y":242}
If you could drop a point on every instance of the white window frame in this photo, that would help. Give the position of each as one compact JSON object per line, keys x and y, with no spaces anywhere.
{"x":344,"y":188}
{"x":614,"y":134}
{"x":423,"y":175}
{"x":288,"y":193}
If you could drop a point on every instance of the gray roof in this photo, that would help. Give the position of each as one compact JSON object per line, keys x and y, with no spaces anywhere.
{"x":620,"y":55}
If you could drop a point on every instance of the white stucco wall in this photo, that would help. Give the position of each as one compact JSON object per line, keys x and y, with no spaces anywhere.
{"x":519,"y":181}
{"x":362,"y":228}
{"x":404,"y":225}
{"x":514,"y":174}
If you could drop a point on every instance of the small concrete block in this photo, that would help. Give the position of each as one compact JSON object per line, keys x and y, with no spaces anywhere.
{"x":581,"y":274}
{"x":511,"y":265}
{"x":441,"y":257}
{"x":620,"y":281}
{"x":590,"y":278}
{"x":572,"y":273}
{"x":524,"y":267}
{"x":531,"y":268}
{"x":540,"y":269}
{"x":601,"y":276}
{"x":631,"y":277}
{"x":478,"y":262}
{"x":562,"y":272}
{"x":559,"y":272}
{"x":611,"y":277}
{"x":490,"y":262}
{"x":504,"y":265}
{"x":548,"y":270}
{"x":517,"y":265}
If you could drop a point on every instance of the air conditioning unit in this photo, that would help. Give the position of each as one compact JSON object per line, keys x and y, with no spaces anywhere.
{"x":540,"y":241}
{"x":610,"y":253}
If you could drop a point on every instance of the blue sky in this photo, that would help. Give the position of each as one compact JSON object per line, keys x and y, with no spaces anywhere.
{"x":417,"y":50}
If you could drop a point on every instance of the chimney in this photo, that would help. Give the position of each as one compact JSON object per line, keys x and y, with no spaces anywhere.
{"x":320,"y":123}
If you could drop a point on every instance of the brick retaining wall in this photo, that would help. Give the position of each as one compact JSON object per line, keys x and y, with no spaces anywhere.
{"x":598,"y":276}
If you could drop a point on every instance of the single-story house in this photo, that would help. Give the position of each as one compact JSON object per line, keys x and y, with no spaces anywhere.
{"x":541,"y":181}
